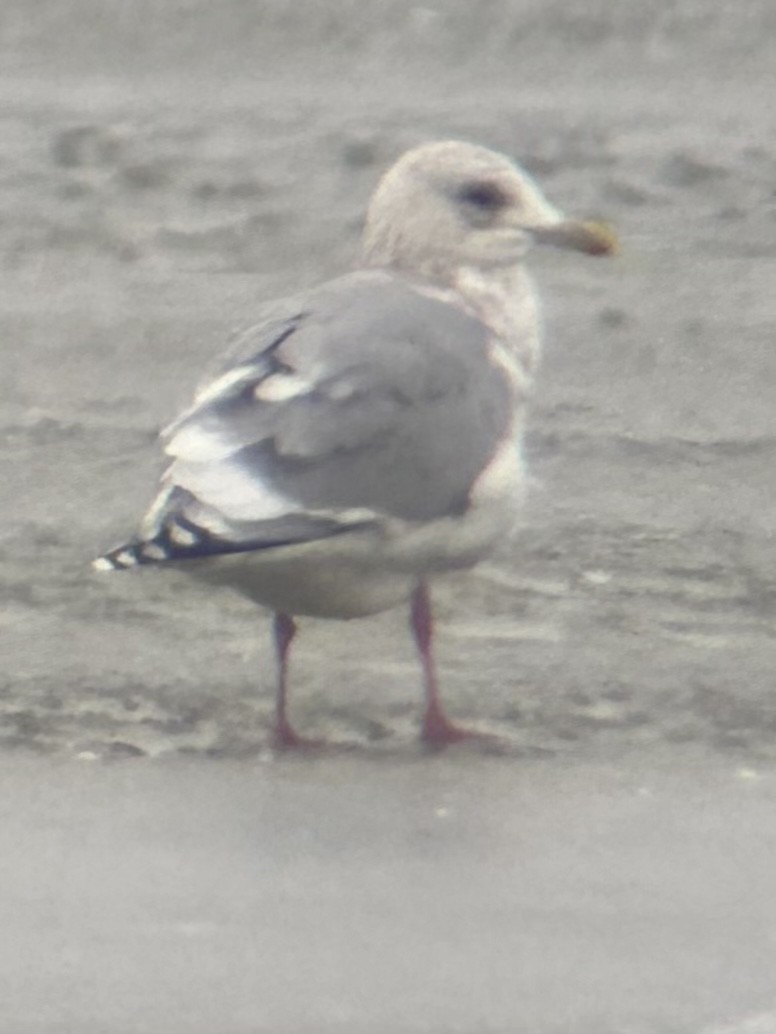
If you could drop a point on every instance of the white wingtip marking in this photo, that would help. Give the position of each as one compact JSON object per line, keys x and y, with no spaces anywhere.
{"x":102,"y":564}
{"x":280,"y":387}
{"x":182,"y":536}
{"x":153,"y":551}
{"x":197,"y":444}
{"x":223,"y":385}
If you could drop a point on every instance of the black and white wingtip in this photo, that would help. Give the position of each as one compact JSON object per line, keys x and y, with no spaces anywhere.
{"x":178,"y":540}
{"x":133,"y":554}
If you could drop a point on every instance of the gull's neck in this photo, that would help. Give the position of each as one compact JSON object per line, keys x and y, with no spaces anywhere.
{"x":505,"y":300}
{"x":503,"y":297}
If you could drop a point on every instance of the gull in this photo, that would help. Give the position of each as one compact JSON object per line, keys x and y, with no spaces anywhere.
{"x":365,"y":436}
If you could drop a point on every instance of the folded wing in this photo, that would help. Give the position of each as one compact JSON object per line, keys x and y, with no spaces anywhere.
{"x":370,"y":399}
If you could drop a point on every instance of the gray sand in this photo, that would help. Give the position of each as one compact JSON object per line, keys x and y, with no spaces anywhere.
{"x":611,"y":870}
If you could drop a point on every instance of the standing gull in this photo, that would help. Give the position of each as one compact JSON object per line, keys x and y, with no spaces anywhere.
{"x":365,"y":436}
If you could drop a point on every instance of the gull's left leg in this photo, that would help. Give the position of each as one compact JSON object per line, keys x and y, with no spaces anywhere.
{"x":437,"y":729}
{"x":284,"y":736}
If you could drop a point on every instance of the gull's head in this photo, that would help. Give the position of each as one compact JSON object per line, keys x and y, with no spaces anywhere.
{"x":451,"y":205}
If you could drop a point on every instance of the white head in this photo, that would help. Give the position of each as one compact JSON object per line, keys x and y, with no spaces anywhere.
{"x":452,"y":205}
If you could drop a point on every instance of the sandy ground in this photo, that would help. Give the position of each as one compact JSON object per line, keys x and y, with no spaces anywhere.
{"x":164,"y":169}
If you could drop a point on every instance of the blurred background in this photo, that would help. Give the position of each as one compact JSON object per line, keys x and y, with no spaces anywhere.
{"x":164,"y":169}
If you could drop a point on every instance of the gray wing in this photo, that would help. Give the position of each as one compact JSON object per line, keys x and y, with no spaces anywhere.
{"x":367,"y":400}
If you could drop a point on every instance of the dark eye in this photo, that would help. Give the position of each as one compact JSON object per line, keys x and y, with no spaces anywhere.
{"x":488,"y":197}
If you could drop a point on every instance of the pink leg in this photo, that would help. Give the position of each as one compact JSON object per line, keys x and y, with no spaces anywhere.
{"x":284,"y":736}
{"x":437,"y":728}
